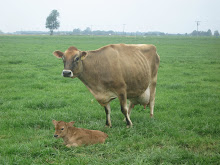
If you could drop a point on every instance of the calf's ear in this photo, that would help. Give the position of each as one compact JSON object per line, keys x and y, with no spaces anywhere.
{"x":70,"y":124}
{"x":54,"y":122}
{"x":58,"y":54}
{"x":83,"y":55}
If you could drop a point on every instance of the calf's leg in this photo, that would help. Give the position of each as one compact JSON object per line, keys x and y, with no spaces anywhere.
{"x":72,"y":145}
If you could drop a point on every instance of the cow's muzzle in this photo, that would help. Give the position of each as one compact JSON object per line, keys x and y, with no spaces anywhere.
{"x":55,"y":136}
{"x":67,"y":73}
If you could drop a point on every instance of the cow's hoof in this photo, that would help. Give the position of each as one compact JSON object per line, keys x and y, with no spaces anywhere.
{"x":108,"y":126}
{"x":129,"y":126}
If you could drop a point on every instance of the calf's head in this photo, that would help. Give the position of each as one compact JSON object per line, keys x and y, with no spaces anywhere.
{"x":72,"y":59}
{"x":61,"y":128}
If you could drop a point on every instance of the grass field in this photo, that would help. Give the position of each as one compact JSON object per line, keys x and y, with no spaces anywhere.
{"x":186,"y":124}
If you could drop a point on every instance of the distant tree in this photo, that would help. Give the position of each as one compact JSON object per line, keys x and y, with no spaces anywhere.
{"x":76,"y":31}
{"x":52,"y":22}
{"x":216,"y":33}
{"x":110,"y":32}
{"x":209,"y":33}
{"x":1,"y":32}
{"x":87,"y":31}
{"x":194,"y":33}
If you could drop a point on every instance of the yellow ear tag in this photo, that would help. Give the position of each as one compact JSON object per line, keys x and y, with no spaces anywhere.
{"x":83,"y":55}
{"x":82,"y":58}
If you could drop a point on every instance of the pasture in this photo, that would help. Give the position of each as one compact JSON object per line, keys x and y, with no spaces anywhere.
{"x":186,"y":124}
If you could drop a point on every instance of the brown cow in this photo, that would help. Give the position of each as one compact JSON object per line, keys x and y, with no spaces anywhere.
{"x":119,"y":70}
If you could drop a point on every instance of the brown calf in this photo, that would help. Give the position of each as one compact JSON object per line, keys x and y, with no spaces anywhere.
{"x":73,"y":136}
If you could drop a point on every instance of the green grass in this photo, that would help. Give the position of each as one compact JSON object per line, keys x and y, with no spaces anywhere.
{"x":185,"y":129}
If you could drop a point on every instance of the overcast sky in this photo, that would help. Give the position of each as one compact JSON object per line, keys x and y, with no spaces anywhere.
{"x":169,"y":16}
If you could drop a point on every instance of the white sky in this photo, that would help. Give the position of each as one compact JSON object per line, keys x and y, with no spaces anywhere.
{"x":169,"y":16}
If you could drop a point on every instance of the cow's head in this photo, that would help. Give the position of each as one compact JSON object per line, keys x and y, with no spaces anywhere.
{"x":72,"y":59}
{"x":61,"y":128}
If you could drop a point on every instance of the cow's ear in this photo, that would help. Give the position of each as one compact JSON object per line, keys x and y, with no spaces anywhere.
{"x":83,"y":55}
{"x":54,"y":122}
{"x":58,"y":54}
{"x":70,"y":124}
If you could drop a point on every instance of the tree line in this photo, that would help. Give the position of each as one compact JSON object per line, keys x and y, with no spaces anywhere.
{"x":204,"y":33}
{"x":77,"y":31}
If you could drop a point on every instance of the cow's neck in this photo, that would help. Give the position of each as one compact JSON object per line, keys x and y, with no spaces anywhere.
{"x":89,"y":75}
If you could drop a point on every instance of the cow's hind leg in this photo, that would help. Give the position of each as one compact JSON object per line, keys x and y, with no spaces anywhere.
{"x":108,"y":118}
{"x":131,"y":106}
{"x":152,"y":98}
{"x":124,"y":109}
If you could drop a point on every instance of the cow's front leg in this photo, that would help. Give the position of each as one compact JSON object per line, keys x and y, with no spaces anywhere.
{"x":124,"y":109}
{"x":108,"y":118}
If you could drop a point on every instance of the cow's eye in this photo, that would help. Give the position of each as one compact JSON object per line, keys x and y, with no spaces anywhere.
{"x":77,"y":59}
{"x":62,"y":128}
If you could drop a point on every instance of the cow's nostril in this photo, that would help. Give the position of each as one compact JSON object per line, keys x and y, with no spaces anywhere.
{"x":55,"y":135}
{"x":66,"y":73}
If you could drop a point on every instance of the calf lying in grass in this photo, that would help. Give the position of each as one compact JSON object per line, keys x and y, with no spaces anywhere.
{"x":73,"y":136}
